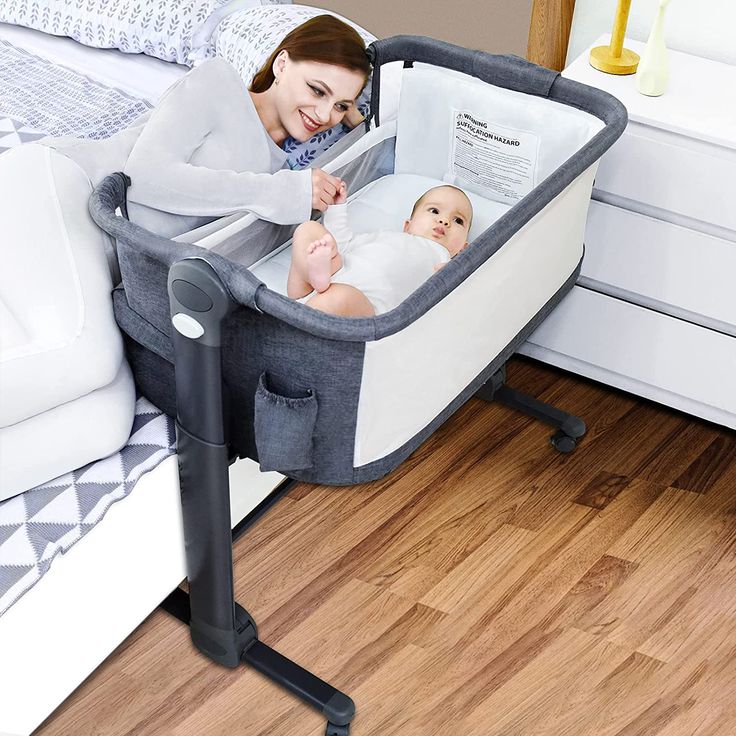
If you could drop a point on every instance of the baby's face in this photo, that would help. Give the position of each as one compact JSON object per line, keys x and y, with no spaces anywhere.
{"x":443,"y":215}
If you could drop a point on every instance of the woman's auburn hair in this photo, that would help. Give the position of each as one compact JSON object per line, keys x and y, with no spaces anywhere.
{"x":323,"y":39}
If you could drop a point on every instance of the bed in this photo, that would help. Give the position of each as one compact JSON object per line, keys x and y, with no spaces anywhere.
{"x":100,"y":589}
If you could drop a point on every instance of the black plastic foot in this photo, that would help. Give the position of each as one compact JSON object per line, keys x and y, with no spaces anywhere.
{"x":334,"y":730}
{"x":562,"y":442}
{"x":337,"y":708}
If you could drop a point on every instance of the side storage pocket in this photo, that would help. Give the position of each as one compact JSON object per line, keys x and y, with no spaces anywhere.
{"x":284,"y":426}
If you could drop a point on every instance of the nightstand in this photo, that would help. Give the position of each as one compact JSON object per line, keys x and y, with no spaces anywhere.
{"x":654,"y":310}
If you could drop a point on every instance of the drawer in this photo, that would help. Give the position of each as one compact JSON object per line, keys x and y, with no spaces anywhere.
{"x":662,"y":358}
{"x":673,"y":173}
{"x":656,"y":264}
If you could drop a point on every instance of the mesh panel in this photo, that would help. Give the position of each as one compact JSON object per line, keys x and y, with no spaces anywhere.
{"x":260,"y":238}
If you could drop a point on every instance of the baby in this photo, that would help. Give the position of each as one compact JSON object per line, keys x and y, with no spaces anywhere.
{"x":360,"y":275}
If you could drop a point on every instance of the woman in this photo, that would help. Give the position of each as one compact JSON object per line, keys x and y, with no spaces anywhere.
{"x":211,"y":148}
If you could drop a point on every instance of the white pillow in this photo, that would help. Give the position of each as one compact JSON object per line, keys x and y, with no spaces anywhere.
{"x":247,"y":38}
{"x":161,"y":28}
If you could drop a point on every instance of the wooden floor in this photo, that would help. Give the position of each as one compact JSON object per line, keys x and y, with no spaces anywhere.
{"x":489,"y":587}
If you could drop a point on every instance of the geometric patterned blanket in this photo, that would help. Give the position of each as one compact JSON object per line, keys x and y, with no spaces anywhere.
{"x":46,"y":521}
{"x":14,"y":132}
{"x":39,"y":98}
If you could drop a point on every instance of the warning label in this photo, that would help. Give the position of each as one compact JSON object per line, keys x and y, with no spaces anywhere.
{"x":490,"y":157}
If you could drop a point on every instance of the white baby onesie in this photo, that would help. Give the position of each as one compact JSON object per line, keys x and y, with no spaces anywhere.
{"x":385,"y":265}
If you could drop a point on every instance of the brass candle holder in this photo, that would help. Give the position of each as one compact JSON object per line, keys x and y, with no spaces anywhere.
{"x":615,"y":59}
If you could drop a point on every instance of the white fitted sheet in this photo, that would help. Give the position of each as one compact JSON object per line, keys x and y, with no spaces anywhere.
{"x":382,"y":205}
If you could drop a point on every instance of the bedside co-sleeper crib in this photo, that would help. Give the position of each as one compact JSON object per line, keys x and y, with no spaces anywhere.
{"x":333,"y":400}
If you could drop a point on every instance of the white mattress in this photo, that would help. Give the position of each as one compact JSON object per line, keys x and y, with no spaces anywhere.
{"x":107,"y":581}
{"x":382,"y":205}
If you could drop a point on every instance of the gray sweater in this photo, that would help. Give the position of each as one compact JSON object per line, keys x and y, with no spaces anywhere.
{"x":200,"y":154}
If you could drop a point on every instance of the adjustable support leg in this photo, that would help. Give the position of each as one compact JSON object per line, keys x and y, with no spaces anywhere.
{"x":220,"y":628}
{"x":569,"y":427}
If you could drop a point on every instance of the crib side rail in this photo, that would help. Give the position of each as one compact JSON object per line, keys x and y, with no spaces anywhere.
{"x":146,"y":258}
{"x":141,"y":247}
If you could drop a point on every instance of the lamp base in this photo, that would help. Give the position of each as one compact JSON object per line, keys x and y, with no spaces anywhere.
{"x":602,"y":59}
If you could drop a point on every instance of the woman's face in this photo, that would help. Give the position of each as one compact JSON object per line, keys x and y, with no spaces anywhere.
{"x":311,"y":97}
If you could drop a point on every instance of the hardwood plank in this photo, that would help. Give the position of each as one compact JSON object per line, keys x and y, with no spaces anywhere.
{"x":527,"y":649}
{"x":709,"y":465}
{"x":480,"y":570}
{"x":602,"y":490}
{"x":681,"y":539}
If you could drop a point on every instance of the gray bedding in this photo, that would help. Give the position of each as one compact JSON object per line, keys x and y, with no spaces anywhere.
{"x":40,"y":98}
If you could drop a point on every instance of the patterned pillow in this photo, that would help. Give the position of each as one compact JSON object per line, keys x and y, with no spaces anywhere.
{"x":161,"y":28}
{"x":247,"y":38}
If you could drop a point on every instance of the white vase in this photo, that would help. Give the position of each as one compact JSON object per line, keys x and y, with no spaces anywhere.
{"x":653,"y":73}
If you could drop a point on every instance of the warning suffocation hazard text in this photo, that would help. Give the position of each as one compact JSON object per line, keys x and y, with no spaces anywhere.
{"x":500,"y":160}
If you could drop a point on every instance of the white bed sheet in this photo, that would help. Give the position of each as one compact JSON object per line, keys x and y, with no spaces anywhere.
{"x":93,"y":597}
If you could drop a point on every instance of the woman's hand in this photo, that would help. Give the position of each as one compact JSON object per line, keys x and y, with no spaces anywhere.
{"x":324,"y":189}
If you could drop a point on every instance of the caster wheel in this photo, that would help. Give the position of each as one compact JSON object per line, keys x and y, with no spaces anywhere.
{"x":335,"y":730}
{"x":562,"y":442}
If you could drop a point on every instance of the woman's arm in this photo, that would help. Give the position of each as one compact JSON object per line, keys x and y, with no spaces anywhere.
{"x":209,"y":107}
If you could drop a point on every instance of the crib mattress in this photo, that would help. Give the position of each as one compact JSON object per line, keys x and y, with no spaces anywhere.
{"x":382,"y":205}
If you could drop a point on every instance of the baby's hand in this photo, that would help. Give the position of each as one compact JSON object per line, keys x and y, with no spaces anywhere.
{"x":439,"y":266}
{"x":342,"y":193}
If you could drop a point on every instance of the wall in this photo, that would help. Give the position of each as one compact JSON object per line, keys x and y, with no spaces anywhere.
{"x":705,"y":28}
{"x":498,"y":26}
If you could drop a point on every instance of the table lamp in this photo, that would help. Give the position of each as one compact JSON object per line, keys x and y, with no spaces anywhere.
{"x":615,"y":59}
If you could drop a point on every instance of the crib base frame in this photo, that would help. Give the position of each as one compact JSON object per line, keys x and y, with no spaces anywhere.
{"x":337,"y":707}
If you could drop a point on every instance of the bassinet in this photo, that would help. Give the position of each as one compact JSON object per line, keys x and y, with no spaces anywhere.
{"x":341,"y":401}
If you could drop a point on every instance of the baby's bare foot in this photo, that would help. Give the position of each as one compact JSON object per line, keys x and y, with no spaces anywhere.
{"x":319,"y":261}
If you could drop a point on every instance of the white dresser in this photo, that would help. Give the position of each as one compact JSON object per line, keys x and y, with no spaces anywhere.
{"x":654,"y":311}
